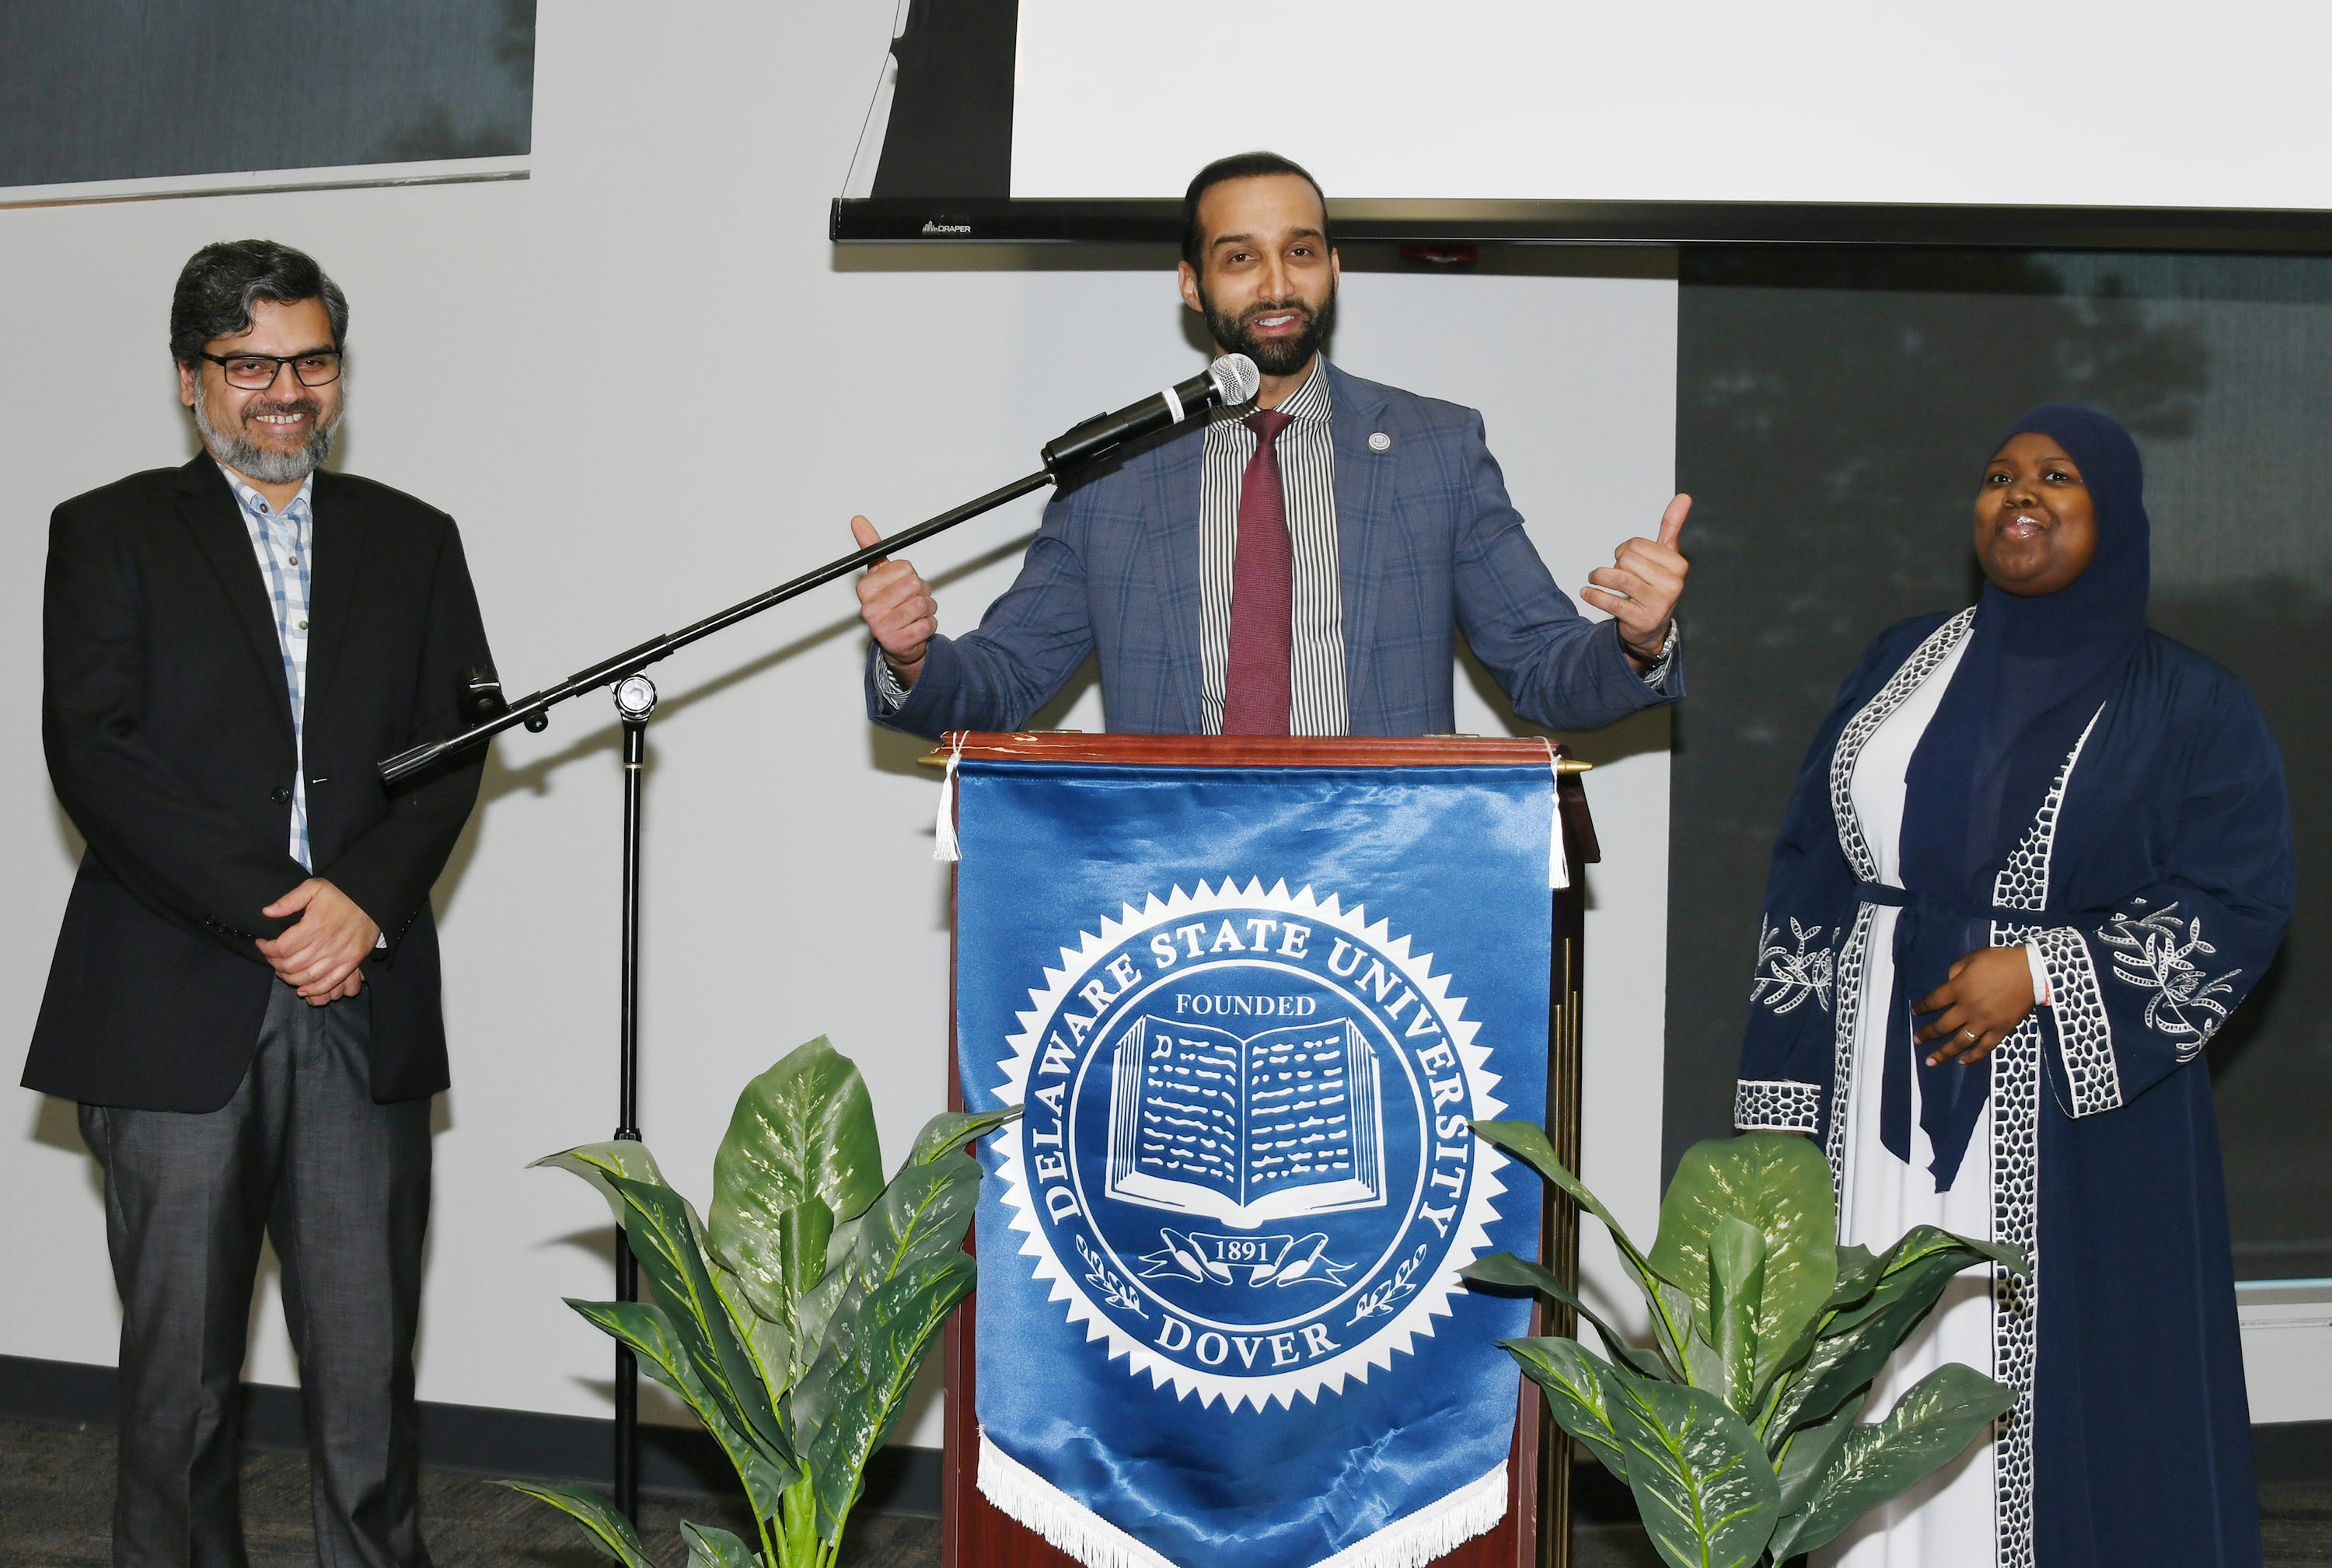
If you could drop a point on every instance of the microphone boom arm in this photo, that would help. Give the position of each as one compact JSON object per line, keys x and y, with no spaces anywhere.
{"x":534,"y":711}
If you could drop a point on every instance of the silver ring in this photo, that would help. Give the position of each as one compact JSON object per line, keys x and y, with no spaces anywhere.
{"x":1971,"y":1034}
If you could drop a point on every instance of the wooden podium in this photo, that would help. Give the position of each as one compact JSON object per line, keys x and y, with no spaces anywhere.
{"x":1536,"y":1531}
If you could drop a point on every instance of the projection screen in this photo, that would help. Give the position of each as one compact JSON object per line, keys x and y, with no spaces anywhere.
{"x":2017,"y":122}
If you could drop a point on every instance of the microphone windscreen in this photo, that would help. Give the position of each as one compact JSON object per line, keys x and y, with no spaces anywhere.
{"x":1235,"y":380}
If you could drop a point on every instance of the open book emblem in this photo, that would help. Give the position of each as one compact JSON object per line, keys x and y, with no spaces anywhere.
{"x":1283,"y":1125}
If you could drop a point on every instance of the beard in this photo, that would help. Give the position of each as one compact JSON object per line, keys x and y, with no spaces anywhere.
{"x":269,"y":465}
{"x":1272,"y":356}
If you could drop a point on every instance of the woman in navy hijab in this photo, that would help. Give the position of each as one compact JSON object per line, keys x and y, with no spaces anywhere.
{"x":2035,"y":858}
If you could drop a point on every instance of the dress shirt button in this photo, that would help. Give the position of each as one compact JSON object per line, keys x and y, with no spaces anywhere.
{"x":304,"y":625}
{"x":294,"y":560}
{"x":279,"y":795}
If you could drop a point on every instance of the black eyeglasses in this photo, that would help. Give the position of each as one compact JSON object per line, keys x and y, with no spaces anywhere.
{"x":257,"y":372}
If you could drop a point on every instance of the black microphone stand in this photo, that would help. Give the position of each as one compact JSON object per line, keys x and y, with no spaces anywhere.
{"x":636,"y":698}
{"x":1232,"y":378}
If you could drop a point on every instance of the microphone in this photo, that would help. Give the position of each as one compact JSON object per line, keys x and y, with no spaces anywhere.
{"x":1229,"y":380}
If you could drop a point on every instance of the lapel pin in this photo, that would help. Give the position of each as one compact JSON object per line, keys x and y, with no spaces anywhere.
{"x":1380,"y":442}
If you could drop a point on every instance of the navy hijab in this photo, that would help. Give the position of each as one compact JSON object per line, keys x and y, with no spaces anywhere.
{"x":2035,"y":672}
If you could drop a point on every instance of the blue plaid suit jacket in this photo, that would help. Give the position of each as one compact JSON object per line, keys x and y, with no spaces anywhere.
{"x":1427,"y":546}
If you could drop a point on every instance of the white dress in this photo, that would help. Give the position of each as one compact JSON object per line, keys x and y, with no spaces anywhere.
{"x":1948,"y":1520}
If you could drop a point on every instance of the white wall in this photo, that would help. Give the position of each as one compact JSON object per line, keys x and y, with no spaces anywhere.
{"x":648,"y":387}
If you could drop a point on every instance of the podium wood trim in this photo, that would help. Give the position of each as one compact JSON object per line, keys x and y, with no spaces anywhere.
{"x":1255,"y":750}
{"x":1536,"y":1530}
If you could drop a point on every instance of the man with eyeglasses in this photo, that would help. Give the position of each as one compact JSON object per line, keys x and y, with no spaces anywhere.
{"x":244,"y":996}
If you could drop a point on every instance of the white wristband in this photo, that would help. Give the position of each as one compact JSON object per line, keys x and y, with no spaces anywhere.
{"x":2039,"y":974}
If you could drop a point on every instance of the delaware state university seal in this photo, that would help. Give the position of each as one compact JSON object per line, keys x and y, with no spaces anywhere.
{"x":1245,"y":1163}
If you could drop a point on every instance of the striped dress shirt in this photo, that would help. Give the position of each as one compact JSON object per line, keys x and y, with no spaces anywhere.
{"x":1307,"y":484}
{"x":284,"y":543}
{"x":1308,"y":487}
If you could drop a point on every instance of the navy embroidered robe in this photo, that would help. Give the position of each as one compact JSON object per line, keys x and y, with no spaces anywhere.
{"x":2156,"y":880}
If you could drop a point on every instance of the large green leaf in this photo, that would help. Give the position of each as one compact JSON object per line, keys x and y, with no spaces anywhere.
{"x":769,"y":1344}
{"x":803,"y":1233}
{"x":1923,"y":1254}
{"x":1841,"y":1365}
{"x":1778,"y":1184}
{"x":951,"y":1130}
{"x":663,"y":1238}
{"x":852,"y":1395}
{"x":1808,"y":1452}
{"x":1578,"y":1389}
{"x":1857,"y":1340}
{"x":1507,"y":1270}
{"x":595,"y":1163}
{"x":1702,"y":1485}
{"x":1679,"y":1337}
{"x":1736,"y":1270}
{"x":1527,"y":1142}
{"x":805,"y":1129}
{"x":715,"y":1548}
{"x":923,"y":1214}
{"x":608,"y":1530}
{"x":1858,"y":1271}
{"x":1927,"y":1428}
{"x":648,"y":1332}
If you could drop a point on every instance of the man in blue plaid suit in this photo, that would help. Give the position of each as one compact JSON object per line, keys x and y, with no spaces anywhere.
{"x":1400,"y":531}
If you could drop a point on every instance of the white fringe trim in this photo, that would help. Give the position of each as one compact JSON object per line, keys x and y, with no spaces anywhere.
{"x":1430,"y":1533}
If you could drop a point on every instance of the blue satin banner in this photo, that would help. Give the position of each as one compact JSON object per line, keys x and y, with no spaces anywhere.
{"x":1248,"y":1013}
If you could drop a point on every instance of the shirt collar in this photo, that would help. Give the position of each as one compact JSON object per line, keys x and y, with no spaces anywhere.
{"x":1309,"y":402}
{"x":256,"y":504}
{"x":1307,"y":405}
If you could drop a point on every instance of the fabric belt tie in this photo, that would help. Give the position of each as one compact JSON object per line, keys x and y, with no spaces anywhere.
{"x":1257,"y":686}
{"x":1930,"y":936}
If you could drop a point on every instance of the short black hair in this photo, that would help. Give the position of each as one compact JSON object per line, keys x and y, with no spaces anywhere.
{"x":1238,"y":165}
{"x":221,"y":283}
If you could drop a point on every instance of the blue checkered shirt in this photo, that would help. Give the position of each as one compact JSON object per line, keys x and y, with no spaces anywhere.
{"x":284,"y":543}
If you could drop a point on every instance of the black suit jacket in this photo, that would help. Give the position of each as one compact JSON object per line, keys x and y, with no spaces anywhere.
{"x":168,"y":728}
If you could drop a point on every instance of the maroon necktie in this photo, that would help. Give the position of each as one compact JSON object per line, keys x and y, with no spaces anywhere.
{"x":1256,"y":682}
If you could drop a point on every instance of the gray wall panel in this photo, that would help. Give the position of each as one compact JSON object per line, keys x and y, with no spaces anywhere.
{"x":1833,"y":411}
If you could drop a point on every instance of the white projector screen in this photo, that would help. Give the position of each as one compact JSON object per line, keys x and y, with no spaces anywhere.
{"x":1990,"y":103}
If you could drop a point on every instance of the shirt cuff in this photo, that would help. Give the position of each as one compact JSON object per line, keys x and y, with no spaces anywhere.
{"x":2040,"y":973}
{"x":1657,"y":675}
{"x":886,"y":685}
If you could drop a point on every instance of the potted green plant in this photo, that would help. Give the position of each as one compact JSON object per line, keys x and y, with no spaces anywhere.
{"x":1738,"y":1428}
{"x":794,"y":1320}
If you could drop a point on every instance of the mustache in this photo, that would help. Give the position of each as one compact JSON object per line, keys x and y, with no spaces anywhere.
{"x":255,"y":409}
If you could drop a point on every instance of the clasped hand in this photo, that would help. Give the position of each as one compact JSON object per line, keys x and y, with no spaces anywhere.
{"x":1989,"y":993}
{"x":322,"y":955}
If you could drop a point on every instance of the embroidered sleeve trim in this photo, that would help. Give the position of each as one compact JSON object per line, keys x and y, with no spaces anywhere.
{"x":2024,"y":882}
{"x":2156,"y":955}
{"x":1858,"y":730}
{"x":1776,"y":1105}
{"x":1787,"y":976}
{"x":2084,"y":1033}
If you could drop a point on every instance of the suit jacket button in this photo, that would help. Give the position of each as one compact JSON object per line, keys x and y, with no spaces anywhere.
{"x":279,"y":795}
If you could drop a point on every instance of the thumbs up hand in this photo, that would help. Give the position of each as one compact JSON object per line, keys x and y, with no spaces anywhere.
{"x":1641,"y":585}
{"x":897,"y":607}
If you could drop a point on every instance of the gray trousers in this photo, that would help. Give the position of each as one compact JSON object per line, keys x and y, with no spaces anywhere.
{"x":303,"y":1155}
